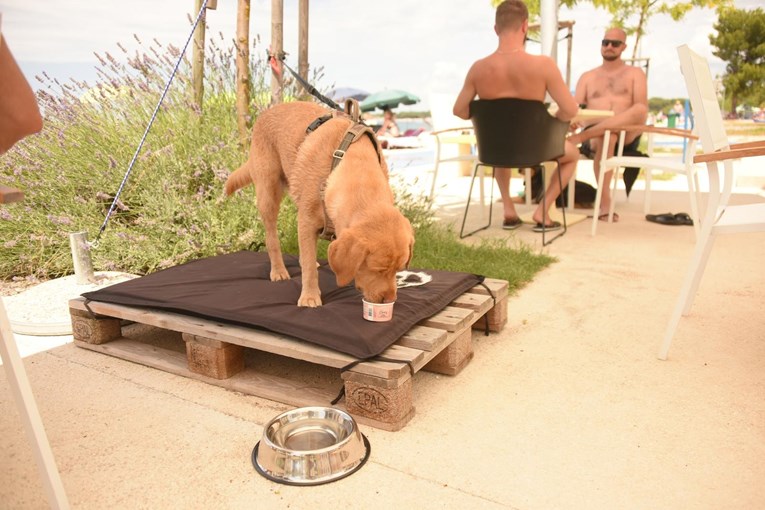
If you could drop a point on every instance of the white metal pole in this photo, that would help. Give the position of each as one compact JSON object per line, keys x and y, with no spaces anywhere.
{"x":549,"y":27}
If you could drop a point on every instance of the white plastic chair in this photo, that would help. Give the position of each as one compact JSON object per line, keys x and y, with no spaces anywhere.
{"x":21,"y":390}
{"x":650,"y":163}
{"x":720,"y":217}
{"x":453,"y":134}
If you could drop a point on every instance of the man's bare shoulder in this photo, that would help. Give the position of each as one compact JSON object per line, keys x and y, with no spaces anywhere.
{"x":590,"y":75}
{"x":541,"y":60}
{"x":635,"y":71}
{"x":487,"y":60}
{"x":480,"y":65}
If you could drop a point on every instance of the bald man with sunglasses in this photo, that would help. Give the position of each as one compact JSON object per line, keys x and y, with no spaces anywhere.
{"x":614,"y":86}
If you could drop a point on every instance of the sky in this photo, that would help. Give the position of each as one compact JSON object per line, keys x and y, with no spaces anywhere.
{"x":424,"y":47}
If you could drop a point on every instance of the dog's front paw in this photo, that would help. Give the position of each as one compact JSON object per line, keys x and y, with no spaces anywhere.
{"x":279,"y":274}
{"x":311,"y":301}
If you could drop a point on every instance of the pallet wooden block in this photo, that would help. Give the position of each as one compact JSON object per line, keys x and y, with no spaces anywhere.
{"x":377,"y":392}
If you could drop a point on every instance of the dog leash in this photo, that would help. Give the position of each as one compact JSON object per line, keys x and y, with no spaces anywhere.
{"x":115,"y":201}
{"x":354,"y":132}
{"x":309,"y":88}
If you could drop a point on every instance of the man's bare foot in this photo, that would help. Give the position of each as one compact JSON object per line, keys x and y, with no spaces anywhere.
{"x":604,"y":217}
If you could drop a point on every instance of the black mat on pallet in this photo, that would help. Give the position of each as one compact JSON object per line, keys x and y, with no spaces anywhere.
{"x":236,"y":288}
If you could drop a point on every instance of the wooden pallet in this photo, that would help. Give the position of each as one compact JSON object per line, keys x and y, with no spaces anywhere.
{"x":377,"y":393}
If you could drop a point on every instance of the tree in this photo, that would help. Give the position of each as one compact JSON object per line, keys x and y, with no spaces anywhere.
{"x":243,"y":71}
{"x":740,"y":43}
{"x":633,"y":15}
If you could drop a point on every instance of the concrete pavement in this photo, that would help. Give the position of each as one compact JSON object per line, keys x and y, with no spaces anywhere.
{"x":566,"y":408}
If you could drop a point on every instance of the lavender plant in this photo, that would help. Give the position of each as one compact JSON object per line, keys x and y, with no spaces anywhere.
{"x":172,"y":207}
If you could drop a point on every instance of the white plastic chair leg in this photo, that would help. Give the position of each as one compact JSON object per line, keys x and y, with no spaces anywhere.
{"x":614,"y":185}
{"x":687,"y":293}
{"x":692,"y":187}
{"x":598,"y":198}
{"x":30,"y":415}
{"x":647,"y":199}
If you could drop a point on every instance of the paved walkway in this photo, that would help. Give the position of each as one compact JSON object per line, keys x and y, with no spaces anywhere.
{"x":566,"y":408}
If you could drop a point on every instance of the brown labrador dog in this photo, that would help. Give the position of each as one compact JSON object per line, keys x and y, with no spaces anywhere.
{"x":374,"y":240}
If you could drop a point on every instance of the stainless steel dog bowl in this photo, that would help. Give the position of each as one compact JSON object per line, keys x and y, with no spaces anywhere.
{"x":310,"y":446}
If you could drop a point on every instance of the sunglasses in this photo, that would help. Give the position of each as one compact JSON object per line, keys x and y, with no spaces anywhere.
{"x":612,"y":42}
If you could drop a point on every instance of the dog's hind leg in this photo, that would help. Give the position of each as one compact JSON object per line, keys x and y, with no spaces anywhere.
{"x":269,"y":190}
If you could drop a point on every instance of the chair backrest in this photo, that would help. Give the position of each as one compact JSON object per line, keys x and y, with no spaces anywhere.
{"x":706,"y":108}
{"x":516,"y":133}
{"x":711,"y":130}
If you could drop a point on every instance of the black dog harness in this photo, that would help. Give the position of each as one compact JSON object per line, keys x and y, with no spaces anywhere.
{"x":354,"y":132}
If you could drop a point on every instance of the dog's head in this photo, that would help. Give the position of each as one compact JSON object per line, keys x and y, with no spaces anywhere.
{"x":371,"y":255}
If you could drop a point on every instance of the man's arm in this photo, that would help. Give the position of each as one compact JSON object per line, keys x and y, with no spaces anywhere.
{"x":556,"y":87}
{"x":467,"y":94}
{"x":19,"y":114}
{"x":640,"y":90}
{"x":580,"y":94}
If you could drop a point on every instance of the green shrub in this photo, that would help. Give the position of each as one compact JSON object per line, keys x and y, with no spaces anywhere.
{"x":171,"y":209}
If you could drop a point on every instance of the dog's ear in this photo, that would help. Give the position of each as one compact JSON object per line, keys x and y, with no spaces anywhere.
{"x":346,"y":254}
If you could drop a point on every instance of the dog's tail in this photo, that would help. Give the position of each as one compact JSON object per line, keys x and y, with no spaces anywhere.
{"x":239,"y":178}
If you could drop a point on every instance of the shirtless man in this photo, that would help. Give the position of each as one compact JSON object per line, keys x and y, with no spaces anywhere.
{"x":617,"y":87}
{"x":511,"y":72}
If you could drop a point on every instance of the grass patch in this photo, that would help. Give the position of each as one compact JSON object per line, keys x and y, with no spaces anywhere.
{"x":172,"y":209}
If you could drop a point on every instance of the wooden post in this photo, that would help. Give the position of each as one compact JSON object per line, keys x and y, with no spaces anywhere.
{"x":277,"y":49}
{"x":303,"y":40}
{"x":198,"y":58}
{"x":198,"y":55}
{"x":243,"y":70}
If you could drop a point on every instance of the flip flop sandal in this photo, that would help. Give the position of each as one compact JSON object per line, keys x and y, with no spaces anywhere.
{"x":555,"y":225}
{"x":512,"y":224}
{"x":663,"y":219}
{"x":683,"y":219}
{"x":604,"y":217}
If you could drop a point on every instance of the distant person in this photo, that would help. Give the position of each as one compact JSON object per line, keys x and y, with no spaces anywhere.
{"x":510,"y":72}
{"x":389,"y":126}
{"x":617,"y":87}
{"x":19,"y":114}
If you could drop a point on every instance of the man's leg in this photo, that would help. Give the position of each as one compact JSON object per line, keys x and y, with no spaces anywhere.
{"x":566,"y":167}
{"x":502,"y":175}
